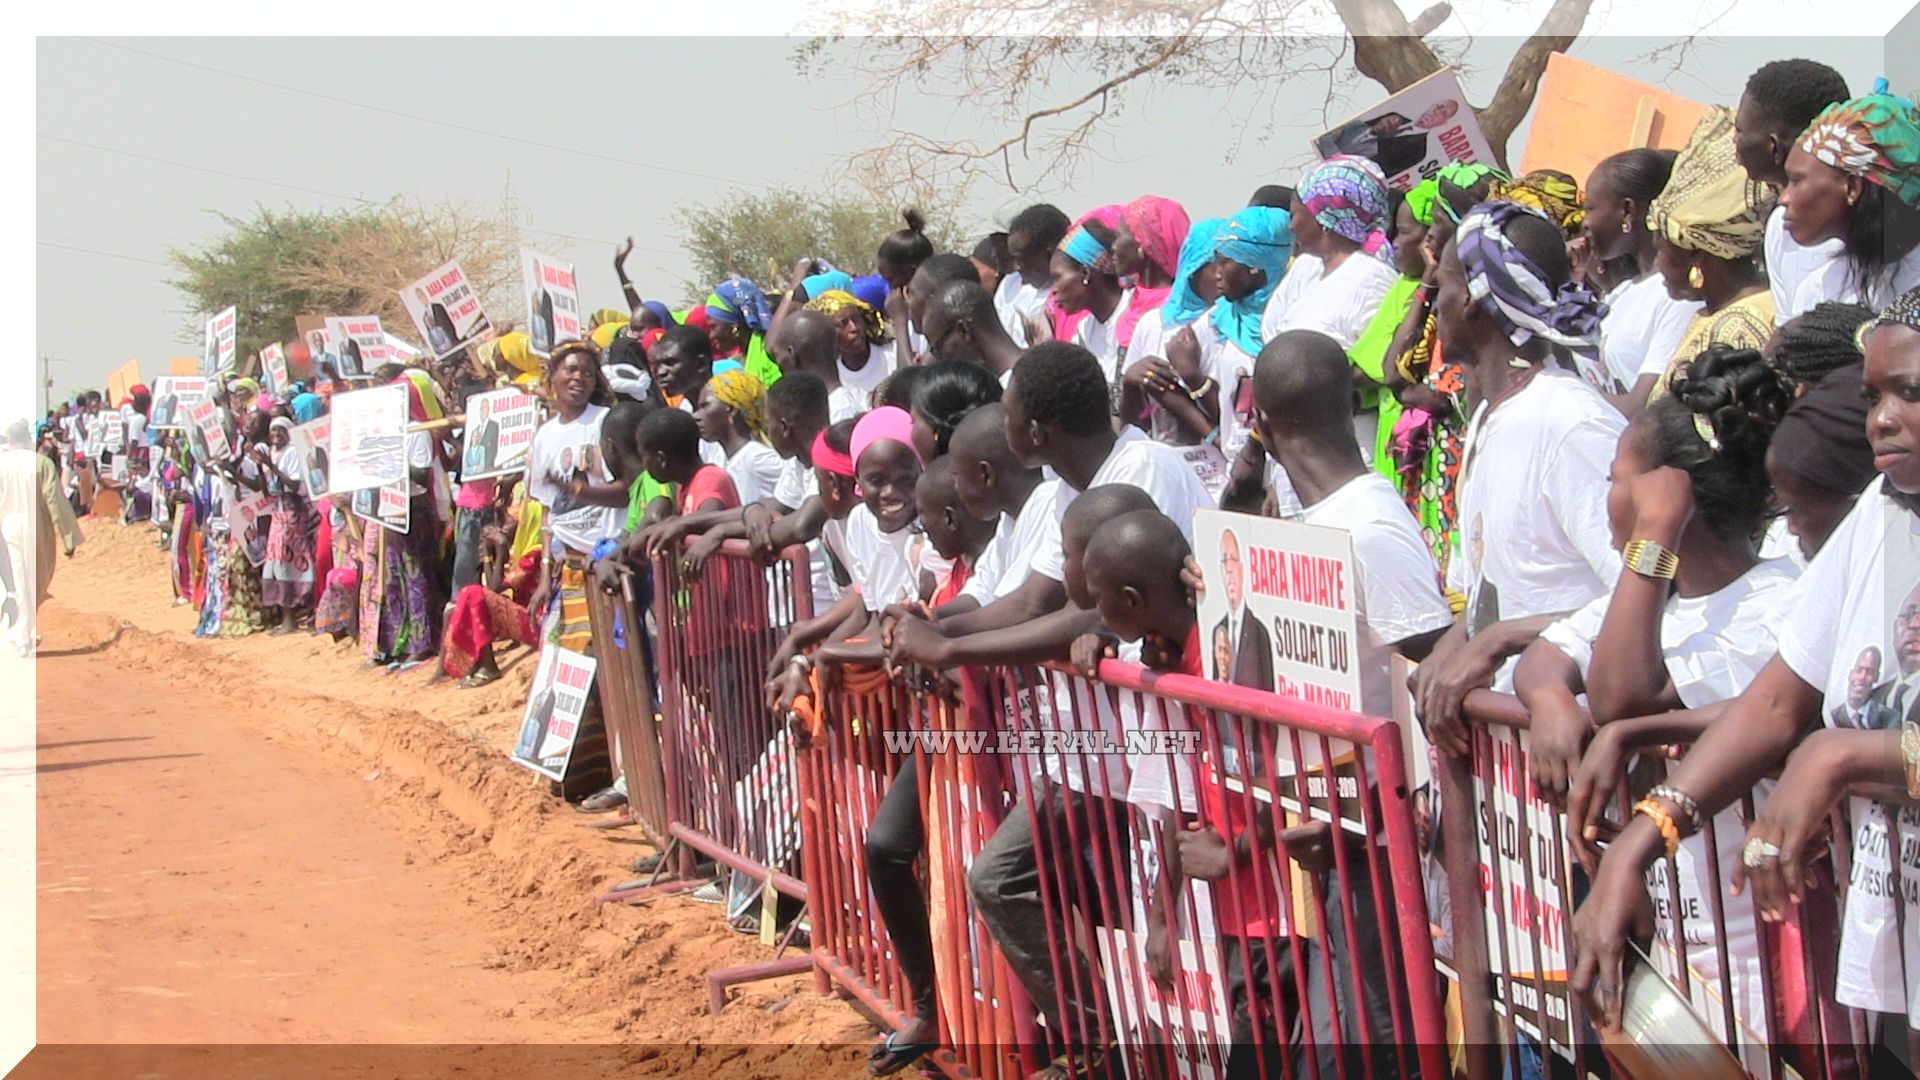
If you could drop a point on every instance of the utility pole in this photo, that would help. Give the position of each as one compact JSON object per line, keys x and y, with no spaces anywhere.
{"x":46,"y":381}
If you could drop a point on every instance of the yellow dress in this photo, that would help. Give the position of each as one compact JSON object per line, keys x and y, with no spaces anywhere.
{"x":1746,"y":323}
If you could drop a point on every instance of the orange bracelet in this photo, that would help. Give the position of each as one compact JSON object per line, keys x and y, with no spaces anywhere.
{"x":1669,"y":831}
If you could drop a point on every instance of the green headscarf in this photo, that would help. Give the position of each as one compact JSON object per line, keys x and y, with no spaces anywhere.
{"x":1876,"y":137}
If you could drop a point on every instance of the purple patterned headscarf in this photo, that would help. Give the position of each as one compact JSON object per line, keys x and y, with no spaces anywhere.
{"x":1347,"y":195}
{"x":1510,"y":288}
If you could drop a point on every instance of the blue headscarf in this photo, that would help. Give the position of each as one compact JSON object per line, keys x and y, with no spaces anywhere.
{"x":1183,"y":304}
{"x":819,"y":285}
{"x":661,"y":312}
{"x":1258,"y":238}
{"x":872,"y":289}
{"x":306,"y":407}
{"x":737,"y":300}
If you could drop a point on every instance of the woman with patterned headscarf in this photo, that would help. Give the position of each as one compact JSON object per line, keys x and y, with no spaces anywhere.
{"x":738,"y":318}
{"x":1535,"y":538}
{"x":1412,"y":217}
{"x":732,"y":414}
{"x":861,"y":339}
{"x":1854,"y":175}
{"x":1342,"y":221}
{"x":1708,"y":225}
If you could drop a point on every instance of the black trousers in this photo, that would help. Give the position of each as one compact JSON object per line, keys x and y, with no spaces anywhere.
{"x":894,"y":844}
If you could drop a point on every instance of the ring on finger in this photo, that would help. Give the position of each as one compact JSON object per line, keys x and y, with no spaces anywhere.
{"x":1757,"y":853}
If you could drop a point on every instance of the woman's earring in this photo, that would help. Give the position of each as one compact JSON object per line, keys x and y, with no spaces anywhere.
{"x":1695,"y":278}
{"x":1626,"y":226}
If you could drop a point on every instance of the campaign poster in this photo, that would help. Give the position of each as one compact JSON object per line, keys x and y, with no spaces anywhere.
{"x":553,"y":301}
{"x":323,"y":351}
{"x":498,"y":434}
{"x":173,"y":395}
{"x":1280,"y":615}
{"x":369,"y":438}
{"x":387,"y":506}
{"x":204,"y":420}
{"x":314,"y":440}
{"x":220,"y":342}
{"x":1524,"y":879}
{"x":401,"y":351}
{"x":273,"y":364}
{"x":359,"y":344}
{"x":247,"y":522}
{"x":446,"y":309}
{"x":121,"y":381}
{"x":1413,"y":133}
{"x":555,"y":704}
{"x":113,"y":430}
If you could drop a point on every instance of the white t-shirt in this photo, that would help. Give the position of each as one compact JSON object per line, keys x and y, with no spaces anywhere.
{"x":1157,"y":470}
{"x":756,"y":470}
{"x":1534,"y":537}
{"x":577,"y":525}
{"x":1837,"y":281}
{"x":1003,"y":567}
{"x":1789,"y":265}
{"x":1338,"y":304}
{"x":1016,"y":301}
{"x":885,"y":566}
{"x":1400,"y":594}
{"x":1102,"y":339}
{"x":1233,"y":375}
{"x":846,"y":402}
{"x":1848,"y":606}
{"x":1640,"y":334}
{"x":860,"y":384}
{"x":1713,"y":647}
{"x":798,"y":483}
{"x":1150,"y":338}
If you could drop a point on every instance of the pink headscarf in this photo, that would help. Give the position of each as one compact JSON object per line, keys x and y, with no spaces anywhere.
{"x":1159,"y":226}
{"x":880,"y":425}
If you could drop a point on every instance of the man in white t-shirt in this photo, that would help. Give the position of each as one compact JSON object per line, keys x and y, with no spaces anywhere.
{"x":1780,"y":100}
{"x":1533,"y":531}
{"x":807,"y":342}
{"x":961,"y":325}
{"x":1022,"y":298}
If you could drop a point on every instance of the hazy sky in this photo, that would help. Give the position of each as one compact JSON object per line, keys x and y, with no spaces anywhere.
{"x":728,"y":108}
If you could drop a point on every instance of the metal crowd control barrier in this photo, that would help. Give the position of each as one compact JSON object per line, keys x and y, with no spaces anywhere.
{"x":728,"y":778}
{"x":624,"y":680}
{"x":1118,"y":766}
{"x":1765,"y":990}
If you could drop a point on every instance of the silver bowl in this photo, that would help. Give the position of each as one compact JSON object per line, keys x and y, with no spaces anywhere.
{"x":1661,"y":1036}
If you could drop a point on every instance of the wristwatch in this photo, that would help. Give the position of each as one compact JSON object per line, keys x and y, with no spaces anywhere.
{"x":1648,"y":559}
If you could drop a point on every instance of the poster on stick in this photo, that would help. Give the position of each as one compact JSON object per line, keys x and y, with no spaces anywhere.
{"x":273,"y":364}
{"x":314,"y":439}
{"x":1412,"y":134}
{"x":446,"y":309}
{"x":220,"y":342}
{"x":369,"y":439}
{"x":1585,"y":114}
{"x":208,"y":432}
{"x":553,"y":301}
{"x":121,"y":381}
{"x":387,"y":507}
{"x":555,"y":704}
{"x":247,"y":522}
{"x":358,"y":344}
{"x":173,"y":395}
{"x":113,"y":431}
{"x":499,"y":434}
{"x":1280,"y":614}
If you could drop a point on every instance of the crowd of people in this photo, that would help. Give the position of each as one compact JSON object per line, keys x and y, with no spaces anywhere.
{"x":1640,"y":447}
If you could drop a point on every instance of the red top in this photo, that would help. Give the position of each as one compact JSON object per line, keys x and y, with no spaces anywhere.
{"x":720,"y":614}
{"x":710,"y":482}
{"x":956,"y":580}
{"x":1238,"y":902}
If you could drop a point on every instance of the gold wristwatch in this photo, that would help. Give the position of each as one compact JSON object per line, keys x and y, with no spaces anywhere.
{"x":1649,"y":559}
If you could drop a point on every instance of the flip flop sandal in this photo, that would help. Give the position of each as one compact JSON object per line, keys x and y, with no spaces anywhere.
{"x":710,"y":893}
{"x":601,"y":802}
{"x":478,"y":679}
{"x":888,"y":1057}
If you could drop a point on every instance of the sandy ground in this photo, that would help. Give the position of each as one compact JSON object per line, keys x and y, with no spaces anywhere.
{"x":256,"y":841}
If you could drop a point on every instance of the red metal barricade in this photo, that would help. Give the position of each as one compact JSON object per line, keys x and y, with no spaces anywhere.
{"x":1764,"y":990}
{"x":624,"y":681}
{"x":1066,"y":890}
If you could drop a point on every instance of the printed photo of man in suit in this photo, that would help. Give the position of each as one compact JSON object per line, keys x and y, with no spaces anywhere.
{"x":1251,"y":644}
{"x":1860,"y":680}
{"x":1897,"y":701}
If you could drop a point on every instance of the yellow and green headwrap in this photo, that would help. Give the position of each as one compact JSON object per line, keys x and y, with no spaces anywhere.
{"x":1554,"y":194}
{"x":835,"y":302}
{"x":1709,"y":205}
{"x":607,"y":315}
{"x":1876,"y":137}
{"x":1420,"y":200}
{"x":746,"y":395}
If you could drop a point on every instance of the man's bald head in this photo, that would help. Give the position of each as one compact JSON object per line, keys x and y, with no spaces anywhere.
{"x":808,"y":339}
{"x":1304,"y":379}
{"x":1097,"y":505}
{"x":1132,"y":574}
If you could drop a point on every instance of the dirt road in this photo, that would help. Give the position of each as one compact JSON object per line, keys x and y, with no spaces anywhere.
{"x":254,"y":841}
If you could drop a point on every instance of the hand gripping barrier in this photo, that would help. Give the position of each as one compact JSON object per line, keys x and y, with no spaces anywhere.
{"x":1050,"y":804}
{"x":1765,"y":990}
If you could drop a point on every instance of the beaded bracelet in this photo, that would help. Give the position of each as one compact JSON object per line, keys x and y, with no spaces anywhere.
{"x":1669,"y":832}
{"x":1910,"y":754}
{"x":1684,"y":802}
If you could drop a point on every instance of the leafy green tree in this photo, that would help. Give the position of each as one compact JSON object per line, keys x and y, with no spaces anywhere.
{"x":760,"y":235}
